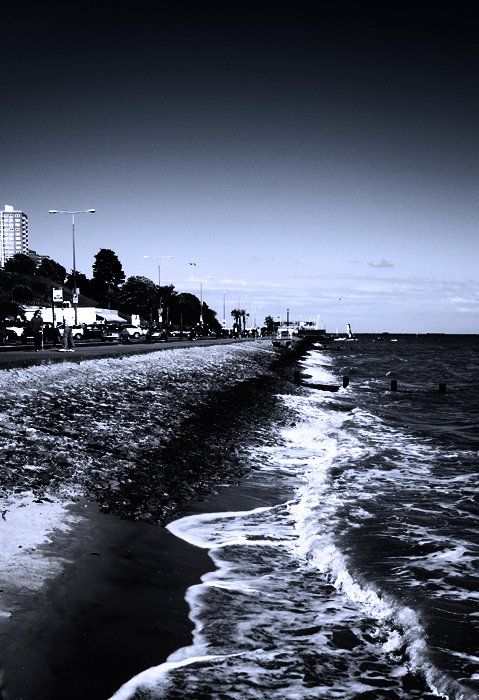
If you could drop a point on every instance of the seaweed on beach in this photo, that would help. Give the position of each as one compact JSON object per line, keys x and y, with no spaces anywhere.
{"x":208,"y":449}
{"x":140,"y":435}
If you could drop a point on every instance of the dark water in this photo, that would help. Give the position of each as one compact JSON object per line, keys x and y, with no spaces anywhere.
{"x":363,"y":583}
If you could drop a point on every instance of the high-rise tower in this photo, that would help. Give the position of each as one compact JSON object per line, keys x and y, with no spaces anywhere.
{"x":13,"y":233}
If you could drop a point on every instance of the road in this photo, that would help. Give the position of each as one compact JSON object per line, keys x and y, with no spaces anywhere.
{"x":12,"y":356}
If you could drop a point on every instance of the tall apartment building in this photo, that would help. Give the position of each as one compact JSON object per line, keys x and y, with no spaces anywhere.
{"x":13,"y":233}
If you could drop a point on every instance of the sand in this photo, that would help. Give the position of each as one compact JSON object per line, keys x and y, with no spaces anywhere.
{"x":117,"y":607}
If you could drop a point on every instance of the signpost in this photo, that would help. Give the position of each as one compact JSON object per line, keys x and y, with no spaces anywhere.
{"x":57,"y":297}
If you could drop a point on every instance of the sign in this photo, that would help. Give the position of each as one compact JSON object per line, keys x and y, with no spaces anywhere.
{"x":75,"y":298}
{"x":57,"y":295}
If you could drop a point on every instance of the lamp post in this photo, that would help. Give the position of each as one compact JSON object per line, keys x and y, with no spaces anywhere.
{"x":200,"y":280}
{"x":75,"y":292}
{"x":224,"y":309}
{"x":158,"y":259}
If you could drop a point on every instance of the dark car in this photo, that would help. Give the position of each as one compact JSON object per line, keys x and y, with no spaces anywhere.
{"x":178,"y":335}
{"x":111,"y":334}
{"x":156,"y":335}
{"x":94,"y":331}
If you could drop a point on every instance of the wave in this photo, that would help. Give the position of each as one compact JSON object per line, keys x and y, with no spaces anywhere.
{"x":304,"y":529}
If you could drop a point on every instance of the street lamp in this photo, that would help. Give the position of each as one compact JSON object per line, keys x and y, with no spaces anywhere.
{"x":162,"y":257}
{"x":224,"y":309}
{"x":200,"y":280}
{"x":75,"y":292}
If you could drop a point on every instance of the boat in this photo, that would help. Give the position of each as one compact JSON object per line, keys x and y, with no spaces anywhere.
{"x":286,"y":337}
{"x":310,"y":330}
{"x":347,"y":338}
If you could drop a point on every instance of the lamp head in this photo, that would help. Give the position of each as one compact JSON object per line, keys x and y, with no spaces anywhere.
{"x":53,"y":211}
{"x":90,"y":211}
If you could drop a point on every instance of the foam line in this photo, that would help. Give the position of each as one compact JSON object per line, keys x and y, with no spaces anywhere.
{"x":152,"y":677}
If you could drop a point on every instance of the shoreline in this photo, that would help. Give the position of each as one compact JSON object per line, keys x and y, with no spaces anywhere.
{"x":117,"y":607}
{"x":114,"y":604}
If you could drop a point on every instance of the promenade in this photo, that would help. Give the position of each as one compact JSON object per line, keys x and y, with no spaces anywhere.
{"x":25,"y":356}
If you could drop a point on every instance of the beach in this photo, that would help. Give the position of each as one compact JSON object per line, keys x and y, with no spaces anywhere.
{"x":199,"y":524}
{"x":91,"y":593}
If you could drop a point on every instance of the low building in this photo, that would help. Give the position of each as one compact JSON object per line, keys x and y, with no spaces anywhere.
{"x":85,"y":314}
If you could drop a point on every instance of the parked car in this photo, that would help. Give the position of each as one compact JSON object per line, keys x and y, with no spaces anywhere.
{"x":94,"y":331}
{"x":111,"y":334}
{"x":177,"y":335}
{"x":78,"y":332}
{"x":14,"y":330}
{"x":128,"y":333}
{"x":156,"y":335}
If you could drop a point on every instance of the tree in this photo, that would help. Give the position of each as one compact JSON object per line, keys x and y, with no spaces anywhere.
{"x":140,"y":295}
{"x":21,"y":264}
{"x":210,"y":320}
{"x":9,"y":308}
{"x":239,"y":316}
{"x":22,"y":294}
{"x":270,"y":324}
{"x":53,"y":270}
{"x":184,"y":310}
{"x":108,"y":275}
{"x":82,"y":283}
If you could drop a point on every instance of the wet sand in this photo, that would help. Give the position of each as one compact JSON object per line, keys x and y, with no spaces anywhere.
{"x":117,"y":608}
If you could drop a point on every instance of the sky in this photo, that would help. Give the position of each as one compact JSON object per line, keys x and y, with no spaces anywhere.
{"x":305,"y":156}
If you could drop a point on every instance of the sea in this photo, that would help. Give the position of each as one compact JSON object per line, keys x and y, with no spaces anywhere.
{"x":361,"y":580}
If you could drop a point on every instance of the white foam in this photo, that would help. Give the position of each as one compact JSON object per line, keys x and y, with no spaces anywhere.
{"x":152,"y":678}
{"x":211,"y":530}
{"x":315,"y":512}
{"x":319,"y":440}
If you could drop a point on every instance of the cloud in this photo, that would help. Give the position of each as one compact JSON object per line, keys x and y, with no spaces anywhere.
{"x":383,"y":263}
{"x":228,"y":282}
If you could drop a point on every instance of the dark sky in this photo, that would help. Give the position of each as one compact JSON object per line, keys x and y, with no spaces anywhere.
{"x":338,"y":148}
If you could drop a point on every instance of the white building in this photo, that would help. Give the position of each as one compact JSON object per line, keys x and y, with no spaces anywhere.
{"x":86,"y":314}
{"x":13,"y":233}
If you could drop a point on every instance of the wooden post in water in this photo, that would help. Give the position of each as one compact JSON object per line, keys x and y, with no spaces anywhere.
{"x":442,"y":388}
{"x":345,"y":381}
{"x":394,"y":384}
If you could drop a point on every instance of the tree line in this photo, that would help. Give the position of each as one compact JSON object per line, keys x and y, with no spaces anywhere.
{"x":23,"y":281}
